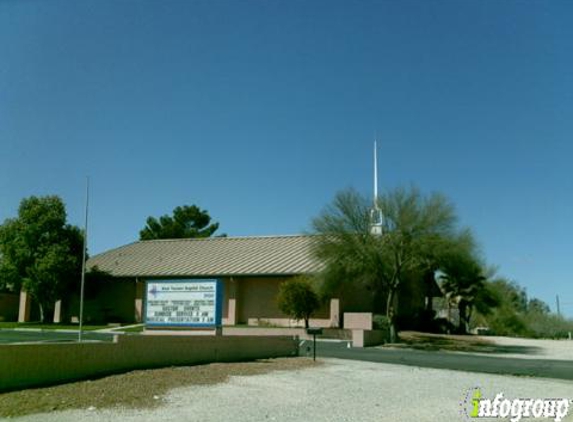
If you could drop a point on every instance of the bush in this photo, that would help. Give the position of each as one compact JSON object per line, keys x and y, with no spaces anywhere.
{"x":506,"y":322}
{"x":380,"y":322}
{"x":298,"y":299}
{"x":543,"y":325}
{"x":443,"y":326}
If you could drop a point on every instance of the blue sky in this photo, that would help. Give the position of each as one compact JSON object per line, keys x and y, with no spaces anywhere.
{"x":260,"y":111}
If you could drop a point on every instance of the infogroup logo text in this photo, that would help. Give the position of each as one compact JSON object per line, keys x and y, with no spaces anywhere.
{"x":516,"y":409}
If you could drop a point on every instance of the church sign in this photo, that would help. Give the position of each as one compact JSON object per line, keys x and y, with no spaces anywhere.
{"x":183,"y":303}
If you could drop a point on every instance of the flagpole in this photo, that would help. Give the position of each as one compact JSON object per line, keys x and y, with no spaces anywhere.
{"x":84,"y":260}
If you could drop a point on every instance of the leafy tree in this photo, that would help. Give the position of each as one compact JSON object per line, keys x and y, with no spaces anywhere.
{"x":187,"y":221}
{"x":512,"y":295}
{"x":298,"y":299}
{"x":417,"y":231}
{"x":538,"y":306}
{"x":39,"y":252}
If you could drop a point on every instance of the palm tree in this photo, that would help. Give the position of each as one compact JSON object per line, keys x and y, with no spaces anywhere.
{"x":464,"y":285}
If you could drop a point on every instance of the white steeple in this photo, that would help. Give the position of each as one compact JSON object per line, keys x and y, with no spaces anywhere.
{"x":376,"y":217}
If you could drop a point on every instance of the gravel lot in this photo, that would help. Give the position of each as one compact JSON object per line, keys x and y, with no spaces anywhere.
{"x":335,"y":391}
{"x":542,"y":349}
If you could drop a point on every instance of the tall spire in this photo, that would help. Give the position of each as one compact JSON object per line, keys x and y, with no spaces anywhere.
{"x":376,"y":217}
{"x":375,"y":174}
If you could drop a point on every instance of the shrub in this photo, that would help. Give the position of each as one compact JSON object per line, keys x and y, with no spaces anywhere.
{"x":380,"y":322}
{"x":298,"y":299}
{"x":545,"y":325}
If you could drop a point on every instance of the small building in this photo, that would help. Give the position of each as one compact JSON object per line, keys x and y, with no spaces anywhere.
{"x":251,"y":269}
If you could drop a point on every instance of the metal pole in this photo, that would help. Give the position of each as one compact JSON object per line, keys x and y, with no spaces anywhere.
{"x":314,"y":347}
{"x":558,"y":307}
{"x":84,"y":260}
{"x":375,"y":176}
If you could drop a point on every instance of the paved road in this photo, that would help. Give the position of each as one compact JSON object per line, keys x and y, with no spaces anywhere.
{"x":20,"y":336}
{"x":557,"y":369}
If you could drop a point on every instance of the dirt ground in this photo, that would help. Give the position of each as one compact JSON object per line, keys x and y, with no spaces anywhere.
{"x":136,"y":389}
{"x":507,"y":347}
{"x":445,"y":342}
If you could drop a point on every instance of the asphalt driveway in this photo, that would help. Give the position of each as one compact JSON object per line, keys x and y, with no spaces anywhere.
{"x":544,"y":368}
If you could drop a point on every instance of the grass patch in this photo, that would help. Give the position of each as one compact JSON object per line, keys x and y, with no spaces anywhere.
{"x":136,"y":389}
{"x":135,"y":329}
{"x":50,"y":326}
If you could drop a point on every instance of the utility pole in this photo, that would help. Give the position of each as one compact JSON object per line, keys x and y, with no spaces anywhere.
{"x":558,"y":307}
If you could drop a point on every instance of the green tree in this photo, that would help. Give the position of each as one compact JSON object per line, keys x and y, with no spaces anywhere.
{"x":39,"y":252}
{"x":417,"y":230}
{"x":514,"y":296}
{"x":186,"y":222}
{"x":537,"y":306}
{"x":298,"y":299}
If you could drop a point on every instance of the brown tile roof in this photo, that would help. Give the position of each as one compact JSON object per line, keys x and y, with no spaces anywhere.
{"x":215,"y":256}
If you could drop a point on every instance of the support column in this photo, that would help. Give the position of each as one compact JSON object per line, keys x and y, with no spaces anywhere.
{"x":139,"y":292}
{"x":232,"y":302}
{"x":58,"y":312}
{"x":24,"y":308}
{"x":335,"y":313}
